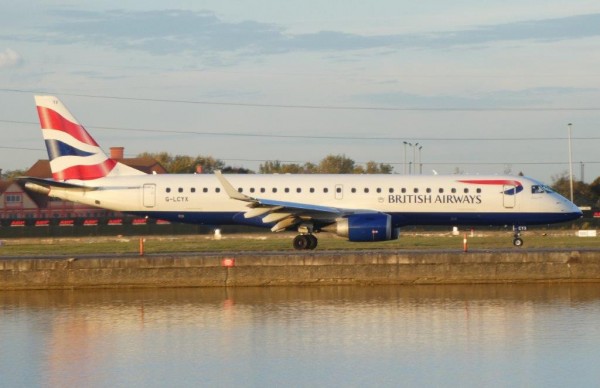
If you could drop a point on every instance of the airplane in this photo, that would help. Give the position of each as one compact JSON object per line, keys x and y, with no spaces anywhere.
{"x":357,"y":207}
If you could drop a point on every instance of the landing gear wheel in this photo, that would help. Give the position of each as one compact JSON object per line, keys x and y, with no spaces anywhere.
{"x":301,"y":242}
{"x":312,"y":244}
{"x":518,"y":242}
{"x":305,"y":241}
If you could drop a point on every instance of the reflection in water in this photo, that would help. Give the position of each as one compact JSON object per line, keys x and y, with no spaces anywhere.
{"x":384,"y":335}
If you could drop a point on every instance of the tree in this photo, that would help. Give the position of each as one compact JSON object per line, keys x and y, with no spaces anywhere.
{"x":378,"y":168}
{"x":336,"y":164}
{"x":331,"y":164}
{"x":11,"y":174}
{"x":185,"y":164}
{"x":236,"y":170}
{"x":277,"y":167}
{"x":595,"y":188}
{"x":583,"y":195}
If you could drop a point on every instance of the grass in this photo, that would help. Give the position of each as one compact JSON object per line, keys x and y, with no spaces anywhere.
{"x":283,"y":242}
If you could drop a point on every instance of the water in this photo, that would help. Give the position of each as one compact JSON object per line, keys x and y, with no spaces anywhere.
{"x":488,"y":335}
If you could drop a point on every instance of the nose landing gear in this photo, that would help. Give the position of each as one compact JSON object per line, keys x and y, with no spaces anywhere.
{"x":517,"y":240}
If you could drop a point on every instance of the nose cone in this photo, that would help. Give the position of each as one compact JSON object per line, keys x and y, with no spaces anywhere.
{"x":571,"y":211}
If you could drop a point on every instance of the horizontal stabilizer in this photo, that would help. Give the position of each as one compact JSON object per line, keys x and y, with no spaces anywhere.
{"x":49,"y":183}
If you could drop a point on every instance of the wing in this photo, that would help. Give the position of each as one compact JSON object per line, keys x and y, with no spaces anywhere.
{"x":284,"y":214}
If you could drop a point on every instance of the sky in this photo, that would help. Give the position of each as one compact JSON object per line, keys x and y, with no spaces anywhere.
{"x":484,"y":87}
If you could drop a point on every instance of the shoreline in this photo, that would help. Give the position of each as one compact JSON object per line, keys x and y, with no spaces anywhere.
{"x":290,"y":268}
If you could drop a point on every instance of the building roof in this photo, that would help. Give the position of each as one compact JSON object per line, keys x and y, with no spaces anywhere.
{"x":147,"y":165}
{"x":4,"y":185}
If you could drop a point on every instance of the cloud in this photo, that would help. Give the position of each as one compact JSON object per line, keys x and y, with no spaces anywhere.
{"x":10,"y":58}
{"x":180,"y":31}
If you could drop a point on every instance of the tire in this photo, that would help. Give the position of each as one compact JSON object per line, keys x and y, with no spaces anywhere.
{"x":312,"y":241}
{"x":518,"y":242}
{"x":300,"y":242}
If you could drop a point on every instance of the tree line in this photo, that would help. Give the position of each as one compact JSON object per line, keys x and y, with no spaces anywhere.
{"x":584,"y":194}
{"x":331,"y":164}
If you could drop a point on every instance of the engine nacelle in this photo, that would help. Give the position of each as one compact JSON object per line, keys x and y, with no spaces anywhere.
{"x":366,"y":227}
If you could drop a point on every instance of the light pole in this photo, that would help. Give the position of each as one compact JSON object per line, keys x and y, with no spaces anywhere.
{"x":415,"y":157}
{"x":570,"y":164}
{"x":405,"y":144}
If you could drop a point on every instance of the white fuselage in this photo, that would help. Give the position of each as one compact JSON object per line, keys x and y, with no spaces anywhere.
{"x":444,"y":200}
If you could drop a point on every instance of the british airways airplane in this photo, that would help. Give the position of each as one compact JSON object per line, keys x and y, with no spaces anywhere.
{"x":358,"y":207}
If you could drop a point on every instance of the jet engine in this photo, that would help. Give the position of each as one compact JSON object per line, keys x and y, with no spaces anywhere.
{"x":365,"y":227}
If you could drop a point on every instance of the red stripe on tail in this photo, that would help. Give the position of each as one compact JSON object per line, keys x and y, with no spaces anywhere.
{"x":85,"y":172}
{"x":50,"y":119}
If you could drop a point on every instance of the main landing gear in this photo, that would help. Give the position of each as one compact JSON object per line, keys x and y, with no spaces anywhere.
{"x":517,"y":240}
{"x":305,"y":241}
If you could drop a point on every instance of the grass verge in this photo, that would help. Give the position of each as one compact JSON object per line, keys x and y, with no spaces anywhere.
{"x":280,"y":242}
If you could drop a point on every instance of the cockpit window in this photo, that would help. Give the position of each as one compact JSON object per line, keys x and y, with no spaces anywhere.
{"x":540,"y":189}
{"x":547,"y":189}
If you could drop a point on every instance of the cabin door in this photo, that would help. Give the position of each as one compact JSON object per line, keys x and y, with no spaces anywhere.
{"x":509,"y":196}
{"x":149,"y":196}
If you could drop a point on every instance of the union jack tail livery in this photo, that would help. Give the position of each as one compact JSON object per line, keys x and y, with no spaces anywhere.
{"x":73,"y":153}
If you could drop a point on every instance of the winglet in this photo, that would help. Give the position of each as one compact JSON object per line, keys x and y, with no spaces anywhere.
{"x":230,"y":190}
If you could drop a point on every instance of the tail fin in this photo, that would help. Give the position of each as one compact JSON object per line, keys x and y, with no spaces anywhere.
{"x":73,"y":153}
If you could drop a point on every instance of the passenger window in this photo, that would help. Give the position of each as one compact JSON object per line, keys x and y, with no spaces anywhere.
{"x":240,"y":189}
{"x":338,"y":189}
{"x":391,"y":190}
{"x":453,"y":190}
{"x":428,"y":190}
{"x":415,"y":190}
{"x":287,"y":189}
{"x":478,"y":190}
{"x":326,"y":190}
{"x":252,"y":189}
{"x":403,"y":190}
{"x":205,"y":190}
{"x":193,"y":189}
{"x":353,"y":190}
{"x":312,"y":190}
{"x":262,"y":190}
{"x":274,"y":189}
{"x":298,"y":190}
{"x":168,"y":190}
{"x":441,"y":190}
{"x":466,"y":191}
{"x":217,"y":190}
{"x":180,"y":189}
{"x":366,"y":190}
{"x":378,"y":190}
